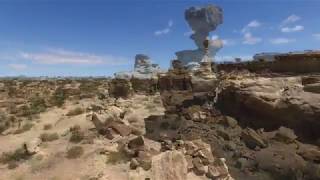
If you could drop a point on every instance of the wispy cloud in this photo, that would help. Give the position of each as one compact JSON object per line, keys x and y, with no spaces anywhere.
{"x":250,"y":39}
{"x":60,"y":56}
{"x":282,"y":40}
{"x":287,"y":25}
{"x":228,"y":42}
{"x":316,"y":36}
{"x":225,"y":42}
{"x":250,"y":25}
{"x":165,"y":30}
{"x":18,"y":67}
{"x":292,"y":29}
{"x":291,"y":19}
{"x":188,"y":33}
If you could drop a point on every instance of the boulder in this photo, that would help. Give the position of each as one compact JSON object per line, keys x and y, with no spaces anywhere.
{"x":310,"y":153}
{"x":144,"y":159}
{"x":170,"y":165}
{"x":230,"y":122}
{"x":285,"y":135}
{"x":136,"y":143}
{"x":199,"y":169}
{"x":253,"y":139}
{"x":219,"y":170}
{"x":122,"y":129}
{"x":281,"y":160}
{"x":32,"y":147}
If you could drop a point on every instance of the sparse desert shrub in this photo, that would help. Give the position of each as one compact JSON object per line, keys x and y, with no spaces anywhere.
{"x":12,"y":91}
{"x":47,"y":137}
{"x":24,"y":128}
{"x":76,"y":134}
{"x":75,"y":152}
{"x":4,"y":124}
{"x":74,"y":112}
{"x":58,"y":97}
{"x":37,"y":104}
{"x":47,"y":126}
{"x":14,"y":156}
{"x":12,"y":108}
{"x":24,"y":111}
{"x":118,"y":157}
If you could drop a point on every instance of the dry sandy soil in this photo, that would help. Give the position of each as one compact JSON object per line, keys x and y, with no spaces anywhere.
{"x":51,"y":161}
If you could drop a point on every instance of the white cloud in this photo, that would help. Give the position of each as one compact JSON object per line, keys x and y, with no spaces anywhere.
{"x":250,"y":25}
{"x":292,"y":29}
{"x":228,"y":42}
{"x":317,"y":36}
{"x":60,"y":56}
{"x":225,"y":42}
{"x":214,"y":37}
{"x":18,"y":67}
{"x":170,"y":23}
{"x":291,"y":19}
{"x":250,"y":39}
{"x":161,"y":32}
{"x":254,"y":23}
{"x":282,"y":41}
{"x":165,"y":30}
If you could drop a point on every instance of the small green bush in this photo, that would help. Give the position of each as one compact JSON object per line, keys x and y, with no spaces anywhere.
{"x":58,"y":97}
{"x":37,"y":104}
{"x":75,"y":152}
{"x":76,"y":134}
{"x":47,"y":137}
{"x":15,"y":156}
{"x":118,"y":157}
{"x":25,"y":127}
{"x":3,"y":122}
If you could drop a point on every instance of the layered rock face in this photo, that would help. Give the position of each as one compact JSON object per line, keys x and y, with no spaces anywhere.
{"x":180,"y":88}
{"x":271,"y":102}
{"x":293,"y":63}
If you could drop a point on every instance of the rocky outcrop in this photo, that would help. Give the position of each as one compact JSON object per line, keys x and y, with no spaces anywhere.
{"x":272,"y":102}
{"x":170,"y":165}
{"x":180,"y":88}
{"x":202,"y":20}
{"x":144,"y":77}
{"x":293,"y":63}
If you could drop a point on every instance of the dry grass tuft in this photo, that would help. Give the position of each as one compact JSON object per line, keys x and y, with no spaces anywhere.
{"x":75,"y":152}
{"x":75,"y":112}
{"x":48,"y":137}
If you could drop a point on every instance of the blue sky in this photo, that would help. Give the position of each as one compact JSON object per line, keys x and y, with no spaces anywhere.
{"x":96,"y":37}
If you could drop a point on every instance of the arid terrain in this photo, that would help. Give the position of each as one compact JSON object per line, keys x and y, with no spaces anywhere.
{"x":197,"y":120}
{"x":234,"y":125}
